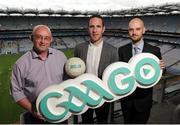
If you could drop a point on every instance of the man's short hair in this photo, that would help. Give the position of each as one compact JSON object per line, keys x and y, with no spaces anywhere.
{"x":97,"y":16}
{"x":37,"y":26}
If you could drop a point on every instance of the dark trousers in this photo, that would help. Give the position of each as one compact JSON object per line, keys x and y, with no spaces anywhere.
{"x":28,"y":118}
{"x":132,"y":115}
{"x":101,"y":115}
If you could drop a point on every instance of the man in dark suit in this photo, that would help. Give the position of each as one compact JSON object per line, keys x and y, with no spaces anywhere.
{"x":97,"y":54}
{"x":137,"y":106}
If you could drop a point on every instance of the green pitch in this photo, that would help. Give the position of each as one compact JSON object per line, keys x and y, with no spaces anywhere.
{"x":10,"y":111}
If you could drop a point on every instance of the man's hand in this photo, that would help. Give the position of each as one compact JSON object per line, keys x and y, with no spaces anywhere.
{"x":26,"y":104}
{"x":162,"y":64}
{"x":38,"y":115}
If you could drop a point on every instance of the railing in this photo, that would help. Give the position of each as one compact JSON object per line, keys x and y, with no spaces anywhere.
{"x":164,"y":82}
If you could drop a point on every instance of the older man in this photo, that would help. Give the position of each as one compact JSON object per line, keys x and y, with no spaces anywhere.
{"x":35,"y":70}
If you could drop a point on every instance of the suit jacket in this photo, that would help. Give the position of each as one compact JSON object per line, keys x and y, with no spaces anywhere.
{"x":109,"y":55}
{"x":141,"y":98}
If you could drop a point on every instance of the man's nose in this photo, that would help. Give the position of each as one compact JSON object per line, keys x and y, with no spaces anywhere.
{"x":94,"y":29}
{"x":42,"y":39}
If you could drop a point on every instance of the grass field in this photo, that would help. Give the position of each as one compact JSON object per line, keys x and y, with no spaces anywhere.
{"x":10,"y":111}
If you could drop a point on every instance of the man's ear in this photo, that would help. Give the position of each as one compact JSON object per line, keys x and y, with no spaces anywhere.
{"x":31,"y":37}
{"x":52,"y":39}
{"x":104,"y":28}
{"x":144,"y":30}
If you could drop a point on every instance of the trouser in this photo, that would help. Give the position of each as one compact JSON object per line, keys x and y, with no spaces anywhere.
{"x":101,"y":115}
{"x":133,"y":116}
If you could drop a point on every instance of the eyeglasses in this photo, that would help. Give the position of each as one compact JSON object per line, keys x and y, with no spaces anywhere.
{"x":43,"y":38}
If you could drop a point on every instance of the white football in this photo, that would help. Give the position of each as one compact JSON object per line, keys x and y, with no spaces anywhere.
{"x":75,"y":67}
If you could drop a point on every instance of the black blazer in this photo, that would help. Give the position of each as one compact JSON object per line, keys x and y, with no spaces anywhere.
{"x":109,"y":54}
{"x":142,"y":98}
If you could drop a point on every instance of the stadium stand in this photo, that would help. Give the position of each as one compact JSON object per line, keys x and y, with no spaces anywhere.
{"x":79,"y":39}
{"x":69,"y":31}
{"x":24,"y":45}
{"x":8,"y":47}
{"x":70,"y":42}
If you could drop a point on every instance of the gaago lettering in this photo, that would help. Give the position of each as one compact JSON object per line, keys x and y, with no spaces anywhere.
{"x":58,"y":102}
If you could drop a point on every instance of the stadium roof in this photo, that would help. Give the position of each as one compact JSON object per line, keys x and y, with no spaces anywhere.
{"x":165,"y":9}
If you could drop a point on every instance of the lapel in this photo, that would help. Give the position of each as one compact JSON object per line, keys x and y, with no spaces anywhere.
{"x":145,"y":48}
{"x":128,"y":52}
{"x":84,"y":52}
{"x":103,"y":59}
{"x":103,"y":54}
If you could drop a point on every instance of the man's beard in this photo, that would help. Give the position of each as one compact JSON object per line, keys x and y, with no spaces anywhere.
{"x":136,"y":40}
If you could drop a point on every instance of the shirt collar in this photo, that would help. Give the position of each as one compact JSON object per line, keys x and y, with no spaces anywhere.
{"x":98,"y":45}
{"x":35,"y":55}
{"x":140,"y":46}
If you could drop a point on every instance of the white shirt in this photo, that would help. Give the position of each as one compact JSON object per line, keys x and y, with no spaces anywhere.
{"x":93,"y":58}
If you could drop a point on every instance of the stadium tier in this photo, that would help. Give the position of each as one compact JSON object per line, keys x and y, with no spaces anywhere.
{"x":163,"y":30}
